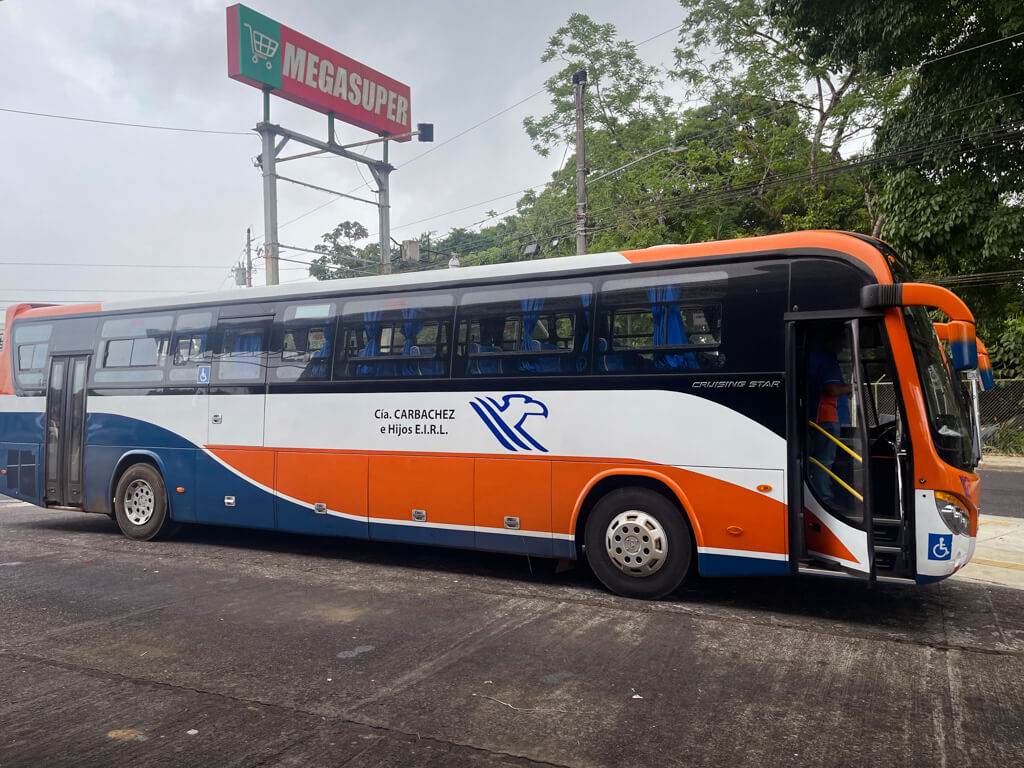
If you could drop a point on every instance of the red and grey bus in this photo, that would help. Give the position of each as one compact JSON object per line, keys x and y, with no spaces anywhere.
{"x":772,"y":405}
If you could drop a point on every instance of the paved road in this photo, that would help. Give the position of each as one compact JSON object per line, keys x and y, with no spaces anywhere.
{"x":1002,"y":492}
{"x":246,"y":648}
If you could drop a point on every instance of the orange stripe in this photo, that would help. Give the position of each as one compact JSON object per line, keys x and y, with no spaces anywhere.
{"x":815,"y":239}
{"x":822,"y":540}
{"x":545,"y":493}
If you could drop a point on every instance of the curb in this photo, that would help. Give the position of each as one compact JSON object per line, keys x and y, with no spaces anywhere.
{"x":1002,"y":462}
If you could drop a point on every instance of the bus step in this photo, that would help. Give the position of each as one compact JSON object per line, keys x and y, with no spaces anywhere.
{"x":892,"y":536}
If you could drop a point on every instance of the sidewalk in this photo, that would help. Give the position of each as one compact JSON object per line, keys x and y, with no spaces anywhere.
{"x":999,"y":554}
{"x":994,"y":461}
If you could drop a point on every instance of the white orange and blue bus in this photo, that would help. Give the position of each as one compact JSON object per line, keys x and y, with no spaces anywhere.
{"x":649,"y":411}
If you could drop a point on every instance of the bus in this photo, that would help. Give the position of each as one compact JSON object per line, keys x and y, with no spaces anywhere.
{"x":770,"y":405}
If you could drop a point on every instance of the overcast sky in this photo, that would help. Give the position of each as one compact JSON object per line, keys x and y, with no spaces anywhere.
{"x":88,"y":195}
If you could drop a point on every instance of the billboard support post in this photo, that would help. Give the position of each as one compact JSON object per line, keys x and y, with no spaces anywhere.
{"x":269,"y":155}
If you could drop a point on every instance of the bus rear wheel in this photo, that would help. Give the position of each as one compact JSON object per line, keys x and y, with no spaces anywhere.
{"x":638,"y":543}
{"x":140,"y":504}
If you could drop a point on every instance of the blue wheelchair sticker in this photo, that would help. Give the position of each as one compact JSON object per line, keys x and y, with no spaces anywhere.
{"x":203,"y":374}
{"x":940,"y":546}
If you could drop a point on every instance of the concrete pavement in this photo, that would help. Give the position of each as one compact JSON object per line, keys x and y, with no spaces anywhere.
{"x":241,"y":648}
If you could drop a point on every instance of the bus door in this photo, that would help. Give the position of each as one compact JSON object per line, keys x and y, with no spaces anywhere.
{"x":831,"y":503}
{"x":65,"y":430}
{"x":232,"y":493}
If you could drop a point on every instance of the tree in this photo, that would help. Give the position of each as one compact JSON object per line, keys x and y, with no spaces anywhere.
{"x":956,"y":206}
{"x":341,"y":256}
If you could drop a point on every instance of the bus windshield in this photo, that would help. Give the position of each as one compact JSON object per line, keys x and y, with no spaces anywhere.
{"x":947,"y":410}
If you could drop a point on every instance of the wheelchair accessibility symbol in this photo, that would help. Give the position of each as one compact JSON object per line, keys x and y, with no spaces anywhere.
{"x":940,"y":546}
{"x":203,"y":374}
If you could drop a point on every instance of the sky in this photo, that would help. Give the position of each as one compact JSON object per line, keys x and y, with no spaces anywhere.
{"x":92,"y":212}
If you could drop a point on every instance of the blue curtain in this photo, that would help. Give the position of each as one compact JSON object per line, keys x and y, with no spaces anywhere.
{"x":249,"y":343}
{"x":372,"y":348}
{"x":581,"y":361}
{"x":411,"y":326}
{"x":668,"y":328}
{"x":531,"y":314}
{"x":319,"y":360}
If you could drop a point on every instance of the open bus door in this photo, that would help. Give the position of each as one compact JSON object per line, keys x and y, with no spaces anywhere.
{"x":831,"y":521}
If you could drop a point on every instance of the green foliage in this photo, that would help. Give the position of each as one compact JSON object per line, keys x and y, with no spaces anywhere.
{"x":341,"y":256}
{"x":1007,"y":350}
{"x":1009,"y":439}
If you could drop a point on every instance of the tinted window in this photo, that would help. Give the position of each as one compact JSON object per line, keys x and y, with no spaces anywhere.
{"x":662,"y":322}
{"x":241,"y":355}
{"x":31,"y":342}
{"x":395,"y":338}
{"x":541,"y":329}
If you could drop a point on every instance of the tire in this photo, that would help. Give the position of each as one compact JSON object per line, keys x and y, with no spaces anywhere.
{"x":638,"y":543}
{"x":140,"y":504}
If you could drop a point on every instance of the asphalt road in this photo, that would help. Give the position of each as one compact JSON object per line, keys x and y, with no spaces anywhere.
{"x":235,"y":648}
{"x":1002,"y":492}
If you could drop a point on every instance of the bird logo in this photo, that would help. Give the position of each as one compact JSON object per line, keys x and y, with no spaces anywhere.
{"x":506,"y":419}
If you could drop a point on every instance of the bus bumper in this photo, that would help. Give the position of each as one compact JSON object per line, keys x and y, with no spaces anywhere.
{"x":941,"y":552}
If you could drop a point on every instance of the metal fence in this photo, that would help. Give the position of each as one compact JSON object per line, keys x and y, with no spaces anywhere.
{"x":1002,"y":413}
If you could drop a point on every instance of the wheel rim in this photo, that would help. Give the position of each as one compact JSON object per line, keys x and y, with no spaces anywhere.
{"x":139,"y":502}
{"x":637,"y":543}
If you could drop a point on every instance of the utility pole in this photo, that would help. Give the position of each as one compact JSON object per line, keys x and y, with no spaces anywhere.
{"x":384,"y":210}
{"x":579,"y":82}
{"x":248,"y":257}
{"x":268,"y":158}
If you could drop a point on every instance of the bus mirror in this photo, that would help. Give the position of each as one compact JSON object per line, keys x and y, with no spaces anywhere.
{"x":961,"y":321}
{"x":985,"y":368}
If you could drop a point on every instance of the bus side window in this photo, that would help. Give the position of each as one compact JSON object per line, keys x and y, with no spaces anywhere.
{"x":661,"y":323}
{"x":541,"y":329}
{"x":304,"y":342}
{"x":396,"y":337}
{"x":133,"y":350}
{"x":31,"y":346}
{"x":191,"y":346}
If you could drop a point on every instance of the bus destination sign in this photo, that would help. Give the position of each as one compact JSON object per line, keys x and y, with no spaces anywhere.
{"x":265,"y":53}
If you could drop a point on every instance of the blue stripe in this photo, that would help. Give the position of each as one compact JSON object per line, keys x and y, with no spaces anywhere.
{"x":737,"y":565}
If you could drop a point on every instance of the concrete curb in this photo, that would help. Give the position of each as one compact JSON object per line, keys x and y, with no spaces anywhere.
{"x":1002,"y":462}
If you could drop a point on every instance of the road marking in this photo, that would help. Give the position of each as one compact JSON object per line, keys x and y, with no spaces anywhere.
{"x":998,"y":563}
{"x":13,"y":562}
{"x":994,"y":522}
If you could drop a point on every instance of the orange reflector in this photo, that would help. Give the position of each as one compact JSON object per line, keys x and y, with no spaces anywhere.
{"x":3,"y":471}
{"x":764,"y":488}
{"x":735,"y":530}
{"x":179,"y":489}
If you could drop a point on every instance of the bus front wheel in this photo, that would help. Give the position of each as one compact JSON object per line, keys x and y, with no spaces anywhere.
{"x":638,"y":543}
{"x":140,"y":504}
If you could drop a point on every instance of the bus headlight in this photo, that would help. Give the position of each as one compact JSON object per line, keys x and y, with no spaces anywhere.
{"x":953,"y":513}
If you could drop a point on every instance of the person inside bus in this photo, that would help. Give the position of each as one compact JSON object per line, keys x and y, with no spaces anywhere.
{"x":828,"y":409}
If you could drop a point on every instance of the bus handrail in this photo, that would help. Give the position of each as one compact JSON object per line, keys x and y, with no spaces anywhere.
{"x":837,"y":441}
{"x":836,"y":478}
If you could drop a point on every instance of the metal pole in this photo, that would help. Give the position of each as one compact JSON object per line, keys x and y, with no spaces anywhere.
{"x":269,"y":201}
{"x":579,"y":82}
{"x":248,"y":257}
{"x":384,"y":207}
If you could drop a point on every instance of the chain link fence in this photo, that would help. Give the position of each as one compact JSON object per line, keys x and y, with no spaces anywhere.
{"x":1002,"y":413}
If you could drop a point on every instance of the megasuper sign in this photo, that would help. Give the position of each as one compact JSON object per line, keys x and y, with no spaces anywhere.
{"x":266,"y":54}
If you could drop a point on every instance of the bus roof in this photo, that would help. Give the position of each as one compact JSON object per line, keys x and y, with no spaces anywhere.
{"x":790,"y":244}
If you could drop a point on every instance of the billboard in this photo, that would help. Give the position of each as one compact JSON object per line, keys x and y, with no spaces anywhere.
{"x":265,"y":53}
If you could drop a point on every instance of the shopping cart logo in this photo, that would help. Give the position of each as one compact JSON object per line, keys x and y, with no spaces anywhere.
{"x":263,"y":47}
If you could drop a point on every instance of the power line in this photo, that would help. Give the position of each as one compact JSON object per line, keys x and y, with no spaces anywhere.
{"x":125,"y":125}
{"x":106,"y":266}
